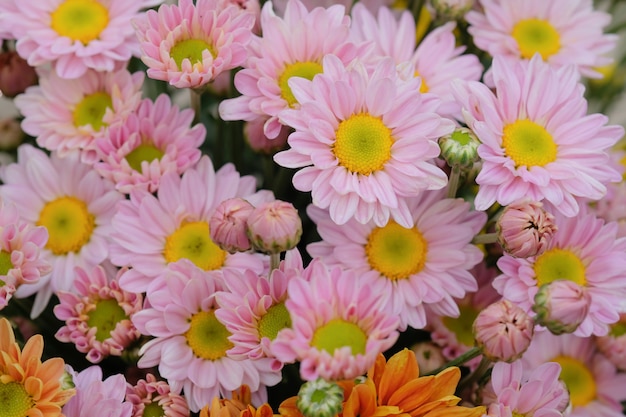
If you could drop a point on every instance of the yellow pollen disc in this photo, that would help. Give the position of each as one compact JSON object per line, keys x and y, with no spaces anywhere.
{"x":14,"y":400}
{"x":104,"y":317}
{"x":5,"y":263}
{"x":276,"y":319}
{"x":556,"y":264}
{"x":143,"y":152}
{"x":579,"y":380}
{"x":80,"y":20}
{"x":395,"y":251}
{"x":190,"y":49}
{"x":536,"y":35}
{"x":306,"y":70}
{"x":528,"y":144}
{"x":363,"y":144}
{"x":153,"y":409}
{"x":339,"y":333}
{"x":193,"y":241}
{"x":423,"y":86}
{"x":462,"y":325}
{"x":69,"y":224}
{"x":91,"y":110}
{"x":207,"y":337}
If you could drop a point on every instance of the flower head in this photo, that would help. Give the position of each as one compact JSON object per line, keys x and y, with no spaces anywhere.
{"x":228,"y":225}
{"x":561,"y":306}
{"x":93,"y":395}
{"x":274,"y":227}
{"x":150,"y":397}
{"x":525,"y":229}
{"x":613,"y":345}
{"x":319,"y":398}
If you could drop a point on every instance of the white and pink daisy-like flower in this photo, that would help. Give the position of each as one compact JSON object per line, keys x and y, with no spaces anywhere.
{"x":537,"y":140}
{"x":190,"y":344}
{"x":586,"y":251}
{"x":338,"y":325}
{"x":595,"y":387}
{"x":290,"y":47}
{"x":152,"y":397}
{"x":73,"y":203}
{"x":425,"y":264}
{"x":95,"y":395}
{"x":149,"y":231}
{"x":562,"y":32}
{"x":64,"y":115}
{"x":613,"y":345}
{"x":76,"y":35}
{"x":97,"y":314}
{"x":155,"y":139}
{"x":364,"y":141}
{"x":189,"y":45}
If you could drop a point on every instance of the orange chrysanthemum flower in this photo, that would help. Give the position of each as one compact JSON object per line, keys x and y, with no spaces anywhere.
{"x":228,"y":407}
{"x":28,"y":387}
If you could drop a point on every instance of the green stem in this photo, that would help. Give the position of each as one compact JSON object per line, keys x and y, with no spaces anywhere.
{"x":475,"y":376}
{"x":453,"y":182}
{"x":274,"y":261}
{"x":469,"y":355}
{"x":195,"y":98}
{"x":485,"y":238}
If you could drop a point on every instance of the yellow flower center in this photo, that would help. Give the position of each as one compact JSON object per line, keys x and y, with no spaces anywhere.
{"x":207,"y":337}
{"x":193,"y":241}
{"x":104,"y":317}
{"x":5,"y":264}
{"x":462,"y":325}
{"x":395,"y":251}
{"x":80,"y":20}
{"x":339,"y":333}
{"x":622,"y":161}
{"x":190,"y":49}
{"x":536,"y":35}
{"x":306,"y":70}
{"x":91,"y":110}
{"x":423,"y":86}
{"x":14,"y":400}
{"x":153,"y":409}
{"x":579,"y":380}
{"x":69,"y":224}
{"x":556,"y":264}
{"x":274,"y":320}
{"x":143,"y":152}
{"x":528,"y":144}
{"x":363,"y":144}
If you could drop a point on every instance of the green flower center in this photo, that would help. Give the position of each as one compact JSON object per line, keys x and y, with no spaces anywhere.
{"x":618,"y":329}
{"x":536,"y":35}
{"x":306,"y":70}
{"x":579,"y":380}
{"x":207,"y":337}
{"x":339,"y":333}
{"x":80,"y":20}
{"x":528,"y":144}
{"x":91,"y":110}
{"x":14,"y":400}
{"x":105,"y":317}
{"x":274,"y":320}
{"x":556,"y":264}
{"x":190,"y":49}
{"x":69,"y":225}
{"x":143,"y":152}
{"x":5,"y":264}
{"x":193,"y":241}
{"x":462,"y":325}
{"x":395,"y":251}
{"x":153,"y":409}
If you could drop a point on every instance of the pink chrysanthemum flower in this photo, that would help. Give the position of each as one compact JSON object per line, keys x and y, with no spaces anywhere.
{"x":150,"y":231}
{"x":338,"y":326}
{"x":537,"y":141}
{"x":363,"y":142}
{"x":586,"y":251}
{"x":21,"y":244}
{"x":75,"y":35}
{"x":253,"y":309}
{"x":190,"y":344}
{"x":290,"y":47}
{"x":150,"y":397}
{"x":595,"y":387}
{"x":189,"y":45}
{"x":562,"y":32}
{"x":64,"y":115}
{"x":97,"y":314}
{"x":426,"y":264}
{"x":539,"y":394}
{"x":74,"y":204}
{"x":613,"y":345}
{"x":155,"y":139}
{"x":95,"y":396}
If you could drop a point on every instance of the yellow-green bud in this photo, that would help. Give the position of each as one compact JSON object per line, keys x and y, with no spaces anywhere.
{"x":460,"y":148}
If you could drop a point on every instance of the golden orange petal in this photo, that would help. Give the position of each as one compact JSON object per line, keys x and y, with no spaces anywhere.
{"x":413,"y":394}
{"x":443,"y":402}
{"x":7,"y":338}
{"x":33,"y":348}
{"x":34,"y":387}
{"x":288,"y":408}
{"x":446,"y":382}
{"x":400,"y":369}
{"x":361,"y":402}
{"x":457,"y":411}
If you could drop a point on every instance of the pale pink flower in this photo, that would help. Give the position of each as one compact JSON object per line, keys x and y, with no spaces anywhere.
{"x":525,"y":228}
{"x":586,"y":251}
{"x":363,"y":142}
{"x":290,"y":47}
{"x":338,"y":328}
{"x":612,"y":207}
{"x":190,"y":344}
{"x":189,"y":45}
{"x":149,"y":231}
{"x":64,"y":115}
{"x":427,"y":264}
{"x":533,"y":101}
{"x":613,"y":345}
{"x":75,"y":205}
{"x":97,"y":314}
{"x":561,"y":306}
{"x":151,"y":397}
{"x":228,"y":225}
{"x":95,"y":396}
{"x":274,"y":227}
{"x":75,"y":35}
{"x":153,"y":140}
{"x":562,"y":32}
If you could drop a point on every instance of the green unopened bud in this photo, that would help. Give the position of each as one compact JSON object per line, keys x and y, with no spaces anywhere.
{"x":320,"y":398}
{"x":67,"y":380}
{"x":452,"y":9}
{"x":460,"y":148}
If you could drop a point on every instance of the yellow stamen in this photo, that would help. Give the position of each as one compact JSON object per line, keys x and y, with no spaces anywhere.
{"x":80,"y":20}
{"x":69,"y":224}
{"x":207,"y":337}
{"x":528,"y":144}
{"x":306,"y":70}
{"x":556,"y":264}
{"x":193,"y":241}
{"x":536,"y":35}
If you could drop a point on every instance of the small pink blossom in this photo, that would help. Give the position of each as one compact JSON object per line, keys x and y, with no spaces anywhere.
{"x":274,"y":227}
{"x":228,"y":224}
{"x":561,"y":306}
{"x":525,"y":229}
{"x":155,"y":394}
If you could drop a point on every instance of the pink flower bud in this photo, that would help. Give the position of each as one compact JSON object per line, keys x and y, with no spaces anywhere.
{"x":503,"y":331}
{"x":429,"y":356}
{"x":561,"y":306}
{"x":253,"y":132}
{"x":274,"y":227}
{"x":15,"y":74}
{"x":228,"y":225}
{"x":525,"y":229}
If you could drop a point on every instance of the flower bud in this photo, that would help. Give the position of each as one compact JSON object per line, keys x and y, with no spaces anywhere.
{"x":429,"y":356}
{"x":452,"y":9}
{"x":274,"y":227}
{"x":525,"y":229}
{"x":561,"y":306}
{"x":460,"y":148}
{"x":228,"y":225}
{"x":503,"y":331}
{"x":11,"y":134}
{"x":258,"y":142}
{"x":15,"y":74}
{"x":320,"y":398}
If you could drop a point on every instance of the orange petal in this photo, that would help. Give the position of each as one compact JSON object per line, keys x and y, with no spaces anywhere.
{"x":457,"y":412}
{"x":361,"y":402}
{"x":443,"y":402}
{"x":413,"y":394}
{"x":400,"y":369}
{"x":34,"y":387}
{"x":446,"y":382}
